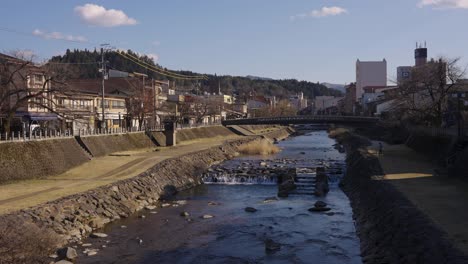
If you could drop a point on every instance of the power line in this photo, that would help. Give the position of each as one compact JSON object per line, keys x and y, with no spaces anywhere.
{"x":154,"y":69}
{"x":160,"y":69}
{"x":157,"y":70}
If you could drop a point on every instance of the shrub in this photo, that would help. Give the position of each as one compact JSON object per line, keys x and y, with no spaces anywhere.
{"x":23,"y":242}
{"x":259,"y":147}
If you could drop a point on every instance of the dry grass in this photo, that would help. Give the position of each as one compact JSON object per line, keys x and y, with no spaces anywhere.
{"x":259,"y":147}
{"x":25,"y":242}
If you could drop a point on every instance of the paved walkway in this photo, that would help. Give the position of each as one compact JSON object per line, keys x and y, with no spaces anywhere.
{"x":95,"y":173}
{"x":444,"y":200}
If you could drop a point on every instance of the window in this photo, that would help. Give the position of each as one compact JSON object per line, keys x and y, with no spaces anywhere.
{"x":118,"y":104}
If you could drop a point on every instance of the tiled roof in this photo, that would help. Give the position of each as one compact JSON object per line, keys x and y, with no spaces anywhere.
{"x":113,"y":86}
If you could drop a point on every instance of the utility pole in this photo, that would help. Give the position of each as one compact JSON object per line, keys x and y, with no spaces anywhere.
{"x":104,"y":74}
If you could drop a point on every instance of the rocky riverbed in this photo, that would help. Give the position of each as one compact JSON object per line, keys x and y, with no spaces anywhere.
{"x":243,"y":221}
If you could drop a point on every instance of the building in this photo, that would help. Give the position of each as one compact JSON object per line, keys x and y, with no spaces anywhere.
{"x":349,"y":100}
{"x":298,"y":101}
{"x":26,"y":99}
{"x":324,"y":104}
{"x":370,"y":73}
{"x":404,"y":73}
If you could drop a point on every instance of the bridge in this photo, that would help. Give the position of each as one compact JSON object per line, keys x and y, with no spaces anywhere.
{"x":313,"y":119}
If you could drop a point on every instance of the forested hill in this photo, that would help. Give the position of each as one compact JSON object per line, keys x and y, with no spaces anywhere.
{"x":85,"y":62}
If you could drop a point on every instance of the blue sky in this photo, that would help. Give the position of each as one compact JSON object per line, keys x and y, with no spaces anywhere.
{"x":304,"y":39}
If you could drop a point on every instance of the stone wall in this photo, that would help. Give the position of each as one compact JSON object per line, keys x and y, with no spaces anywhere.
{"x":103,"y":145}
{"x":36,"y":159}
{"x":160,"y":137}
{"x":390,"y":227}
{"x":280,"y":133}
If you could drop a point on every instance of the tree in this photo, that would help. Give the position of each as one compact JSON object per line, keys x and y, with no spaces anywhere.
{"x":140,"y":102}
{"x":282,"y":108}
{"x":423,"y":98}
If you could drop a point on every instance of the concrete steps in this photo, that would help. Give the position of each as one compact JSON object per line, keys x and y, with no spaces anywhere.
{"x":305,"y":182}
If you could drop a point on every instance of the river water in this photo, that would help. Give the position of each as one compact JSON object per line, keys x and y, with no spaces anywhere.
{"x":233,"y":235}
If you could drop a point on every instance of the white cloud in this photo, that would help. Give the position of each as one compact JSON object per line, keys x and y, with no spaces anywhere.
{"x":58,"y":35}
{"x":323,"y":12}
{"x":97,"y":15}
{"x":444,"y":3}
{"x":153,"y":56}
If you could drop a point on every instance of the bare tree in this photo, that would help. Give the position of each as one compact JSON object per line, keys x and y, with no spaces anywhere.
{"x":140,"y":104}
{"x":282,"y":108}
{"x":423,"y":98}
{"x":24,"y":85}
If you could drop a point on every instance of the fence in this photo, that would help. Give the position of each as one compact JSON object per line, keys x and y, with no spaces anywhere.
{"x":57,"y":134}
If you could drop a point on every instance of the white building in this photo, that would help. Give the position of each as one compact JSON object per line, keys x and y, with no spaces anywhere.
{"x":298,"y":101}
{"x":370,"y":73}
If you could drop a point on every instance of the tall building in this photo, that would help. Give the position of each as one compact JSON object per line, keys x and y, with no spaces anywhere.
{"x":404,"y":73}
{"x":370,"y":73}
{"x":420,"y":55}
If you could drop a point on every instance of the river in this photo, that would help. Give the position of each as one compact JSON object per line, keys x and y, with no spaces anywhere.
{"x":233,"y":235}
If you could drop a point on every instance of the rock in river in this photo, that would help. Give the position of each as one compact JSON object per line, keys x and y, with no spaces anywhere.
{"x":250,"y":210}
{"x":67,"y":253}
{"x":319,"y":209}
{"x":150,"y":207}
{"x":98,"y":235}
{"x":184,"y":214}
{"x":207,"y":216}
{"x":271,"y":246}
{"x":320,"y":204}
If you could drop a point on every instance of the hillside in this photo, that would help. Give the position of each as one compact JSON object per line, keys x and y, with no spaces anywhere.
{"x":241,"y":86}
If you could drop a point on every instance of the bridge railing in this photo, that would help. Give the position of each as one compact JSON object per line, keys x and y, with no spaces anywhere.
{"x":301,"y":119}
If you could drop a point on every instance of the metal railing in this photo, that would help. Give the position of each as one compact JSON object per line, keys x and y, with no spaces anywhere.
{"x":45,"y":134}
{"x":301,"y":119}
{"x":435,"y":131}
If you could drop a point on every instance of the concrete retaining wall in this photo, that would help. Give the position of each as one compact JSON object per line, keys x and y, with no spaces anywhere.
{"x":36,"y":159}
{"x":106,"y":144}
{"x":202,"y":132}
{"x":391,"y":228}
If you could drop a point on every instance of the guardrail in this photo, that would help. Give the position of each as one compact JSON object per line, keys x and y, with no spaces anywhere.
{"x":44,"y":134}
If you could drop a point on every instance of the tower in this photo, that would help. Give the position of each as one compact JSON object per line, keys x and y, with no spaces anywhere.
{"x":420,"y":54}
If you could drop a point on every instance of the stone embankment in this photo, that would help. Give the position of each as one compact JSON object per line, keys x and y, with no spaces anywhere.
{"x":36,"y":159}
{"x":105,"y":145}
{"x":391,"y":228}
{"x":74,"y":217}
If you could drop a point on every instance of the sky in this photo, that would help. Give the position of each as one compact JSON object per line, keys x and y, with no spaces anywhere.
{"x":311,"y":40}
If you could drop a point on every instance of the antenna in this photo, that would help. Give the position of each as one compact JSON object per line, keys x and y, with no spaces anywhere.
{"x":425,"y":44}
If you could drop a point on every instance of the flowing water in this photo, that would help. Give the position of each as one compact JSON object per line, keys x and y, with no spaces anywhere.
{"x":233,"y":235}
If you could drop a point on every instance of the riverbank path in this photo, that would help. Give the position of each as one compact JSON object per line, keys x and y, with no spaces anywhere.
{"x":97,"y":172}
{"x":442,"y":199}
